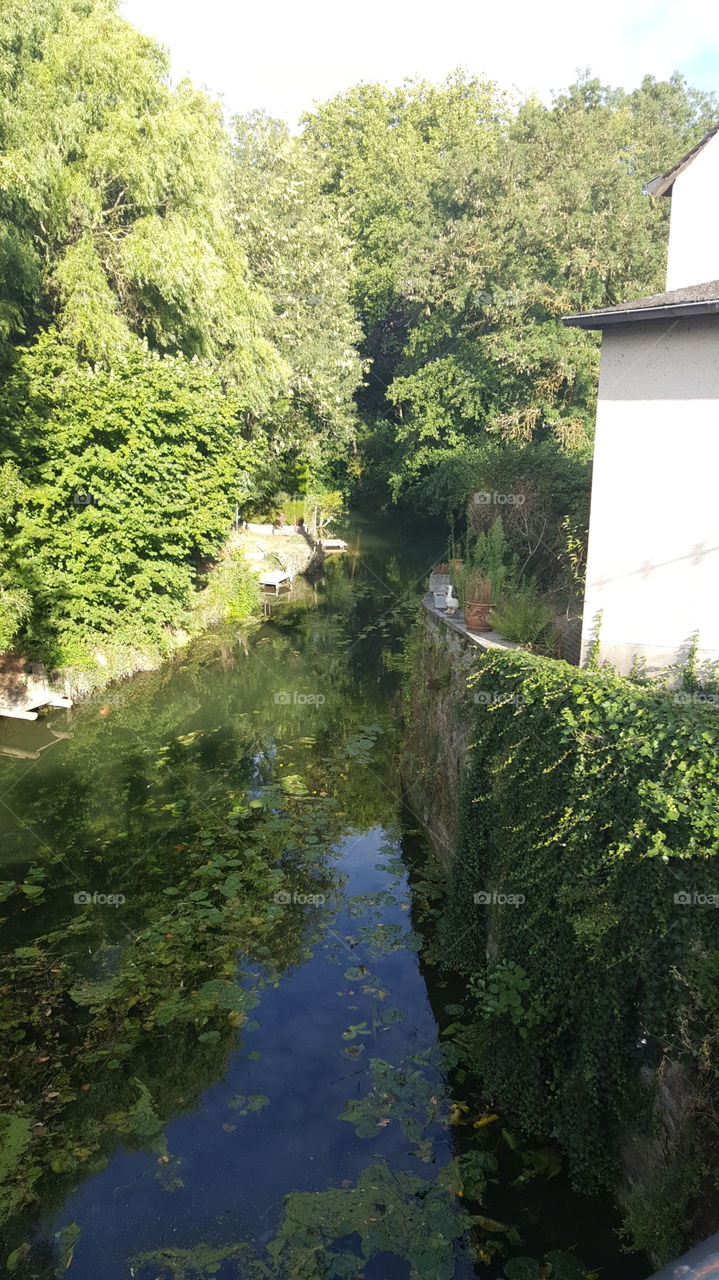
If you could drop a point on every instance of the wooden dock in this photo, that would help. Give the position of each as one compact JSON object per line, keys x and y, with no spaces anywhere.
{"x":276,"y":578}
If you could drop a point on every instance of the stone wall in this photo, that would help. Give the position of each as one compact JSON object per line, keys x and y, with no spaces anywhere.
{"x":440,"y":712}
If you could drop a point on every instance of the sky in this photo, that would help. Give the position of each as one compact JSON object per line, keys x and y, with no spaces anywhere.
{"x":283,"y":55}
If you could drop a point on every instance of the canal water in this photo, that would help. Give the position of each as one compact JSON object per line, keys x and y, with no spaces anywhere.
{"x":222,"y":1041}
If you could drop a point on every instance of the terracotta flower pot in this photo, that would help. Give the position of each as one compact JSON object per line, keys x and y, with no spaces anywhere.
{"x":476,"y":616}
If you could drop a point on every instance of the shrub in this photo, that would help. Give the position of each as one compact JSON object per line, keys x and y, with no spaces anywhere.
{"x":15,"y":606}
{"x":232,"y":591}
{"x":130,"y":479}
{"x":523,"y":617}
{"x":489,"y":556}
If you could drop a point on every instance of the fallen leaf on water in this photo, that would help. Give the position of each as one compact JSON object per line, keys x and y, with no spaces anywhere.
{"x":483,"y":1120}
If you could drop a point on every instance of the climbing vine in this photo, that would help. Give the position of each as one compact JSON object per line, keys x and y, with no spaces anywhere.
{"x":581,"y":902}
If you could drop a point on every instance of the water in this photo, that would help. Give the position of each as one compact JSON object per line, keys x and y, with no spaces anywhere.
{"x":190,"y":1056}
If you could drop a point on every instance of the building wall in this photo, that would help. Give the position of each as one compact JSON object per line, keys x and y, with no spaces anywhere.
{"x":693,"y":240}
{"x":653,"y":563}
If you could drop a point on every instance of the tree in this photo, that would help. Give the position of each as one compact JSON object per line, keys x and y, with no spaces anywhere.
{"x":298,"y":251}
{"x":476,"y":229}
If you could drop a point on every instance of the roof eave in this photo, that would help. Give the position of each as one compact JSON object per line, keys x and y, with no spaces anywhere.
{"x":606,"y":319}
{"x":661,"y":186}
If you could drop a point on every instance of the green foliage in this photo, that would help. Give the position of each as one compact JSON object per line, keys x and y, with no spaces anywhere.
{"x":130,"y":478}
{"x":318,"y":509}
{"x":334,"y":1234}
{"x":489,"y":555}
{"x":404,"y":1094}
{"x":15,"y":607}
{"x":146,"y":360}
{"x":387,"y":1211}
{"x":522,"y":617}
{"x":476,"y":226}
{"x":232,"y":592}
{"x":501,"y":992}
{"x":661,"y":1215}
{"x":298,"y":250}
{"x":15,"y":1138}
{"x":594,"y":799}
{"x":123,"y":184}
{"x":540,"y":489}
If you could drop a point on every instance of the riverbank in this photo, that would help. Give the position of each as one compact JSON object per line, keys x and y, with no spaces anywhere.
{"x":231,"y":591}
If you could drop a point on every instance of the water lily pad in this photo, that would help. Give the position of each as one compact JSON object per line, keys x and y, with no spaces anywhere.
{"x":355,"y":972}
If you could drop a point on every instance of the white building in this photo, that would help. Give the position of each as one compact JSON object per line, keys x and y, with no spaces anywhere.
{"x":653,"y":560}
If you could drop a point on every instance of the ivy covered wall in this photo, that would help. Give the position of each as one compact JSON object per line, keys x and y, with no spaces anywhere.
{"x":579,"y":901}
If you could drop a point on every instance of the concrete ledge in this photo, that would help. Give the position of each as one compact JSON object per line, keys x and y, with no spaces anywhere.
{"x":482,"y":639}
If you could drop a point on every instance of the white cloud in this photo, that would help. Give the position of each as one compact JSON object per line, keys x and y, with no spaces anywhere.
{"x":284,"y":56}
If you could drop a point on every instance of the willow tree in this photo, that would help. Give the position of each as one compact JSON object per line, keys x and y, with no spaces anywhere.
{"x":121,"y":253}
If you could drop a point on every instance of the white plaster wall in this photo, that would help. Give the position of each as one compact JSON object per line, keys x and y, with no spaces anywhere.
{"x":653,"y":561}
{"x":693,"y":238}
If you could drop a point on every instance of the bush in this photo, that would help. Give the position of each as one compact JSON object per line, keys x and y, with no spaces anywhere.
{"x":129,"y":482}
{"x":15,"y":606}
{"x":233,"y":591}
{"x":523,"y":618}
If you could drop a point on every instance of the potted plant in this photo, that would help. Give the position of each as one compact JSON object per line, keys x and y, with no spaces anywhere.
{"x":477,"y":601}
